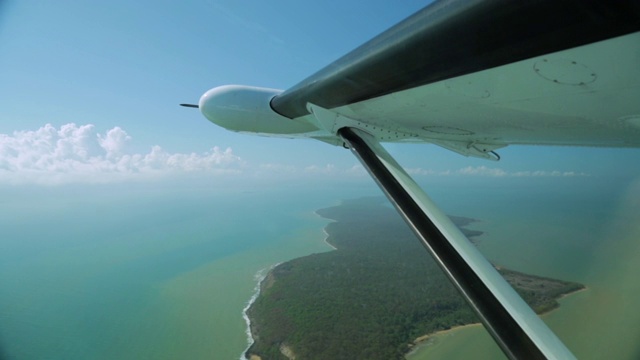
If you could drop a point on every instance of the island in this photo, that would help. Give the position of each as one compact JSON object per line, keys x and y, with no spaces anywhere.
{"x":373,"y":297}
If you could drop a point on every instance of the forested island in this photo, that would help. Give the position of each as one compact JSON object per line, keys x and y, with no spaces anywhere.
{"x":373,"y":296}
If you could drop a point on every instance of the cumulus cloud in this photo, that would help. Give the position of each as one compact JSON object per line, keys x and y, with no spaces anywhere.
{"x":423,"y":172}
{"x":78,"y":154}
{"x":356,"y":170}
{"x":482,"y":171}
{"x":493,"y":172}
{"x":277,"y":168}
{"x":114,"y":142}
{"x":326,"y":169}
{"x":309,"y":171}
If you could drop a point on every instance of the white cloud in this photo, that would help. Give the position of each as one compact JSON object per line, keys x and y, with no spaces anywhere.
{"x":356,"y":170}
{"x":482,"y":171}
{"x":277,"y":168}
{"x":77,"y":154}
{"x":114,"y":142}
{"x":421,"y":171}
{"x":492,"y":172}
{"x":326,"y":169}
{"x":270,"y":170}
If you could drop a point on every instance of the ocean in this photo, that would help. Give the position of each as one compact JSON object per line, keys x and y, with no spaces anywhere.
{"x":133,"y":272}
{"x":136,"y":271}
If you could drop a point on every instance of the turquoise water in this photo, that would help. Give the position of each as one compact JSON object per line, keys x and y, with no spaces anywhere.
{"x":130,"y":273}
{"x":148,"y":272}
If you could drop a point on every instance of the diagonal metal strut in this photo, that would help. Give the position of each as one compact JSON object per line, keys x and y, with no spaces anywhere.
{"x":519,"y":332}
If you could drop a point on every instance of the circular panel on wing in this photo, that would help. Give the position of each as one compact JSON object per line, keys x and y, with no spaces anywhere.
{"x":563,"y":71}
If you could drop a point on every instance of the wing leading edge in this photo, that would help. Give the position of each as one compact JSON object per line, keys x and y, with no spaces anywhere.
{"x":472,"y":77}
{"x":448,"y":39}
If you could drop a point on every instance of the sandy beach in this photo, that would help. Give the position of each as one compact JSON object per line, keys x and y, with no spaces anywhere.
{"x":326,"y":238}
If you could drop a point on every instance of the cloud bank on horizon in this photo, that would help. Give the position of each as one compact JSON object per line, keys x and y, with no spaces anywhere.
{"x":493,"y":172}
{"x":79,"y":154}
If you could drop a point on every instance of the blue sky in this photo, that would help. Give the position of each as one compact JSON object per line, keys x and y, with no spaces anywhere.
{"x":118,"y":69}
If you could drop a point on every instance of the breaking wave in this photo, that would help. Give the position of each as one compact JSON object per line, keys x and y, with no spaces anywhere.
{"x":258,"y":277}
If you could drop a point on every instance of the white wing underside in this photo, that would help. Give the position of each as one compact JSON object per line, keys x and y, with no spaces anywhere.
{"x":585,"y":96}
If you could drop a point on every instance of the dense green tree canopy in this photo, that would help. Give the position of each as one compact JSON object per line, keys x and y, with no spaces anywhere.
{"x":373,"y":296}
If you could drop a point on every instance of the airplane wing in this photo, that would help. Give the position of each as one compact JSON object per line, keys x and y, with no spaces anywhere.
{"x":474,"y":76}
{"x":492,"y":72}
{"x":470,"y":76}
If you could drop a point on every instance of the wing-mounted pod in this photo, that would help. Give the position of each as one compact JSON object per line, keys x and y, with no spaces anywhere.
{"x":247,"y":109}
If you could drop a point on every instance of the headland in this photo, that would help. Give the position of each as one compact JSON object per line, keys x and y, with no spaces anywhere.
{"x":375,"y":297}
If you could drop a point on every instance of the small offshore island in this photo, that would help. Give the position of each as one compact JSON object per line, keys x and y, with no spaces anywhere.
{"x":374,"y":297}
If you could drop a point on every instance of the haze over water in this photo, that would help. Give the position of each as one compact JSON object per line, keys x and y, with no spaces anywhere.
{"x":142,"y":273}
{"x":579,"y":231}
{"x":91,"y":273}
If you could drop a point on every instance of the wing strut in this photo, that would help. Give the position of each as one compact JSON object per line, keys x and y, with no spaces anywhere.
{"x":519,"y":332}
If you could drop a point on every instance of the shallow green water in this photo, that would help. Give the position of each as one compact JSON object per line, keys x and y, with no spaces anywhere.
{"x":582,"y":234}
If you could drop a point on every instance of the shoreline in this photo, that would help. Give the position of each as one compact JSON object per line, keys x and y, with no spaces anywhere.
{"x":259,"y":277}
{"x":324,"y":230}
{"x":326,"y":238}
{"x":423,"y":340}
{"x":585,"y":288}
